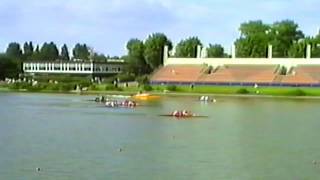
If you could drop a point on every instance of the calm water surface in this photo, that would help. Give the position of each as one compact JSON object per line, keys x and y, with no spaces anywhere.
{"x":69,"y":137}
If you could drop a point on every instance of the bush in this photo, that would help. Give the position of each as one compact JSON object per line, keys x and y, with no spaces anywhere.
{"x":66,"y":87}
{"x":36,"y":88}
{"x":22,"y":85}
{"x":147,"y":87}
{"x":171,"y":88}
{"x":142,"y":80}
{"x":242,"y":91}
{"x":297,"y":92}
{"x":125,"y":77}
{"x":84,"y":83}
{"x":52,"y":87}
{"x":111,"y":87}
{"x":283,"y":70}
{"x":62,"y":78}
{"x":93,"y":87}
{"x":108,"y":80}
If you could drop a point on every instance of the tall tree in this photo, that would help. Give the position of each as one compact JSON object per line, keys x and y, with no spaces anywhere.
{"x":135,"y":60}
{"x":153,"y":52}
{"x":9,"y":68}
{"x":283,"y":35}
{"x":81,"y":51}
{"x":14,"y":50}
{"x":27,"y":50}
{"x":215,"y":51}
{"x":254,"y":39}
{"x":99,"y":57}
{"x":49,"y":52}
{"x":36,"y":54}
{"x":298,"y":49}
{"x":65,"y":53}
{"x":315,"y":49}
{"x":188,"y":47}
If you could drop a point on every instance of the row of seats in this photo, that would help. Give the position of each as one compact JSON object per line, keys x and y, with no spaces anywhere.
{"x":236,"y":74}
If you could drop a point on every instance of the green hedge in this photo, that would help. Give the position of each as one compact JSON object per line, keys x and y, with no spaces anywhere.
{"x":242,"y":91}
{"x":111,"y":87}
{"x":171,"y":88}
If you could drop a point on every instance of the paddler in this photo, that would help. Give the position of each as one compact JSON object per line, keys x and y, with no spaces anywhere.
{"x":175,"y":113}
{"x":185,"y":113}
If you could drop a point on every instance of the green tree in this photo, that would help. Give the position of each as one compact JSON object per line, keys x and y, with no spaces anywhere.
{"x":49,"y":52}
{"x":316,"y":46}
{"x":8,"y":67}
{"x":254,"y":39}
{"x":215,"y":51}
{"x":81,"y":51}
{"x":99,"y":57}
{"x":135,"y":60}
{"x":14,"y":50}
{"x":283,"y":35}
{"x":36,"y":54}
{"x":65,"y":53}
{"x":37,"y":50}
{"x":153,"y":52}
{"x":188,"y":47}
{"x":298,"y":49}
{"x":27,"y":50}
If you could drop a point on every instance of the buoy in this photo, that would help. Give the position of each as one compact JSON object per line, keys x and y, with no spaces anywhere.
{"x":38,"y":169}
{"x":214,"y":100}
{"x":120,"y":150}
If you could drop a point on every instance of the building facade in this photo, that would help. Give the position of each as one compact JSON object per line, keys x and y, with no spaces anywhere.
{"x":73,"y":67}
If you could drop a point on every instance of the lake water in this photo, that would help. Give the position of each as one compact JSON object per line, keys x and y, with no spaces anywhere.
{"x":69,"y":137}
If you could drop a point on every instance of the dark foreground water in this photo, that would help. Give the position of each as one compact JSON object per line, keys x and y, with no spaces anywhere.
{"x":69,"y":137}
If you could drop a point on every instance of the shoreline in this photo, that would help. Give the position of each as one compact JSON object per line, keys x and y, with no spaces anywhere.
{"x":168,"y":94}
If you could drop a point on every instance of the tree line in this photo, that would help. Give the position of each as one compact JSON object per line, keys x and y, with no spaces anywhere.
{"x":48,"y":52}
{"x":143,"y":57}
{"x":287,"y":40}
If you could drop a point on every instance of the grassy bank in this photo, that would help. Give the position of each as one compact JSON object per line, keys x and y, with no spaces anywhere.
{"x":270,"y":91}
{"x":198,"y":90}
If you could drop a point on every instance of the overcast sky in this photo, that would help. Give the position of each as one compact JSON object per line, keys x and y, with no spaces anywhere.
{"x":107,"y":25}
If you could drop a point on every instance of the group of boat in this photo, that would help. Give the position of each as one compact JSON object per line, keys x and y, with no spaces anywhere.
{"x":206,"y":99}
{"x":183,"y":113}
{"x":128,"y":103}
{"x":125,"y":104}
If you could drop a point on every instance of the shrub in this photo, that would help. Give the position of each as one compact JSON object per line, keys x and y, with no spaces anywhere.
{"x":108,"y":80}
{"x":52,"y":87}
{"x":36,"y":88}
{"x":21,"y":85}
{"x":143,"y":80}
{"x":147,"y":87}
{"x":125,"y":77}
{"x":111,"y":87}
{"x":171,"y":88}
{"x":297,"y":92}
{"x":84,"y":83}
{"x":283,"y":70}
{"x":242,"y":91}
{"x":66,"y":87}
{"x":93,"y":87}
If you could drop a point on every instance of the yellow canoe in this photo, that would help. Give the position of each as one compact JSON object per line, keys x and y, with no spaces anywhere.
{"x":145,"y":96}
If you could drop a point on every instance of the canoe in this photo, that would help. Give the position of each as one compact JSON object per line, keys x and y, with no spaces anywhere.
{"x":192,"y":116}
{"x":120,"y":106}
{"x":146,"y":97}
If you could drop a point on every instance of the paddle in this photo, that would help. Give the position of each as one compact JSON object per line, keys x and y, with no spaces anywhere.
{"x":193,"y":116}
